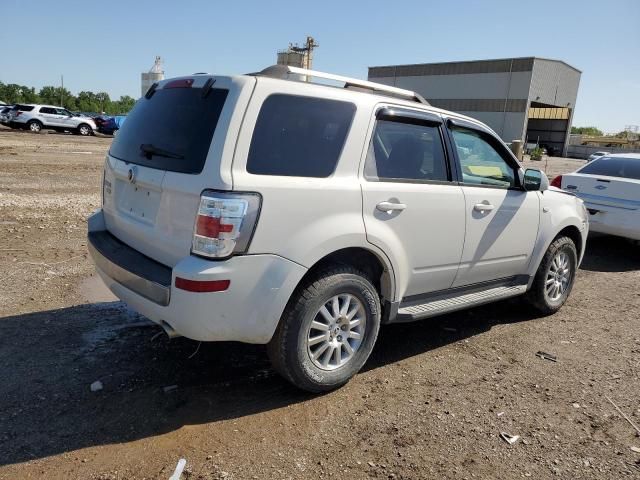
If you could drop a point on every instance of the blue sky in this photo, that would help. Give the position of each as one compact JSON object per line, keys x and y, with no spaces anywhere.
{"x":104,"y":45}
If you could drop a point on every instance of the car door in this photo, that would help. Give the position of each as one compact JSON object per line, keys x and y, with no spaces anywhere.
{"x":502,"y":218}
{"x":48,"y":116}
{"x":412,"y":208}
{"x":66,"y":118}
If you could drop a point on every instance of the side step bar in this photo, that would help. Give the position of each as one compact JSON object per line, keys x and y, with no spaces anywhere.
{"x":439,"y":306}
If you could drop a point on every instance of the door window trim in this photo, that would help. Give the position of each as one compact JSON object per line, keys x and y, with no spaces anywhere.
{"x":493,"y":141}
{"x":391,"y":113}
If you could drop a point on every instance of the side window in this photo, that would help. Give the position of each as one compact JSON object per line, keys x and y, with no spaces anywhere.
{"x":47,"y":110}
{"x":481,"y":164}
{"x":406,"y":151}
{"x":299,"y":136}
{"x":62,"y":111}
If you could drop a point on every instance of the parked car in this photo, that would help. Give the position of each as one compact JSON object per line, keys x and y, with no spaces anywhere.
{"x":109,"y":125}
{"x":38,"y":117}
{"x":4,"y":114}
{"x":595,"y":155}
{"x":302,"y":216}
{"x":610,"y":188}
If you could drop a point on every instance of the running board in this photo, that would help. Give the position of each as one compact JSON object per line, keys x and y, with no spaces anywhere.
{"x":441,"y":305}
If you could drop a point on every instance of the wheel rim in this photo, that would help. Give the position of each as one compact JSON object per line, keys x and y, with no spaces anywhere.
{"x":336,"y":332}
{"x":558,"y":277}
{"x":34,"y":127}
{"x":84,"y":130}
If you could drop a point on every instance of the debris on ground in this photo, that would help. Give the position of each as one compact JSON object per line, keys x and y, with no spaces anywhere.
{"x":510,"y":439}
{"x":169,"y":388}
{"x":637,"y":429}
{"x":178,"y":471}
{"x":96,"y":386}
{"x":546,"y":356}
{"x":635,"y":449}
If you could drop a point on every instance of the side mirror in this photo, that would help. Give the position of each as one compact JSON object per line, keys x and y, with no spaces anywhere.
{"x":535,"y":180}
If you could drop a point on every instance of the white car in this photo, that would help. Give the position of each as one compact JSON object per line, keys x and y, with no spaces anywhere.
{"x":595,"y":155}
{"x":38,"y":117}
{"x":610,"y":188}
{"x":300,"y":215}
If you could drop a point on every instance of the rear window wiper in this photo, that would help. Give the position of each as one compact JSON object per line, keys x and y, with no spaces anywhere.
{"x":149,"y":150}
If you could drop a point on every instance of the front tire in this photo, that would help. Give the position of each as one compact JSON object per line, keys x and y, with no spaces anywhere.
{"x":34,"y":126}
{"x":327,"y":330}
{"x":555,"y":276}
{"x":84,"y":130}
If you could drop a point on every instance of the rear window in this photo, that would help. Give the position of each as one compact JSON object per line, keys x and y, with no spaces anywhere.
{"x":299,"y":136}
{"x":172,"y":130}
{"x":614,"y":167}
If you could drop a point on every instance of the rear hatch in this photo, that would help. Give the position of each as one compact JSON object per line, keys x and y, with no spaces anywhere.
{"x":604,"y":192}
{"x":177,"y":141}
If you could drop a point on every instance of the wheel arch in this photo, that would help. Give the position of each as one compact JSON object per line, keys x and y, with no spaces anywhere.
{"x":574,"y":234}
{"x":376,"y":265}
{"x":569,"y":229}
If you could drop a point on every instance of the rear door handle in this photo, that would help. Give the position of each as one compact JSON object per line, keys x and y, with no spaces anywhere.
{"x":390,"y":207}
{"x":483,"y":207}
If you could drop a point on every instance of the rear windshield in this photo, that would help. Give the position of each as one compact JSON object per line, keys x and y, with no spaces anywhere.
{"x":614,"y":167}
{"x":172,"y":130}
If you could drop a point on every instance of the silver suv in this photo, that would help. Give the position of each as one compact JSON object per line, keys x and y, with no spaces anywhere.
{"x":270,"y":209}
{"x":37,"y":117}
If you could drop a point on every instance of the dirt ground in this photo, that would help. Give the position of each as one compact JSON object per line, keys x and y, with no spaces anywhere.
{"x":430,"y":403}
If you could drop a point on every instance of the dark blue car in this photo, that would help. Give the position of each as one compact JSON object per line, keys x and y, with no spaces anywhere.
{"x":108,"y":125}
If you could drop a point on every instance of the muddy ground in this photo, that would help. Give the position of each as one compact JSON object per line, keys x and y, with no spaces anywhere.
{"x":430,"y":403}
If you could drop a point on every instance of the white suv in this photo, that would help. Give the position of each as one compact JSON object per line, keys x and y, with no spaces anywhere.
{"x":269,"y":209}
{"x":37,"y":117}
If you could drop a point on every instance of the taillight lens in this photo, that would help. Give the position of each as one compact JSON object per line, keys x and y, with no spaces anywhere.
{"x":557,"y":182}
{"x":225,"y":223}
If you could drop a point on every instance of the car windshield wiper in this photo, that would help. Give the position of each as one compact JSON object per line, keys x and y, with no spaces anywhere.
{"x":149,"y":150}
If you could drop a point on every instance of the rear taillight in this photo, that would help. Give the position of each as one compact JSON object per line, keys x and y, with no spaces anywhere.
{"x":557,"y":182}
{"x":225,"y":223}
{"x":18,"y":113}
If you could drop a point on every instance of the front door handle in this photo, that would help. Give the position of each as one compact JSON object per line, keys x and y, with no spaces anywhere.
{"x":390,"y":207}
{"x":483,"y":207}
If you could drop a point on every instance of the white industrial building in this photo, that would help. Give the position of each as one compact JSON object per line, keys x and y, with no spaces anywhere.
{"x":529,"y":99}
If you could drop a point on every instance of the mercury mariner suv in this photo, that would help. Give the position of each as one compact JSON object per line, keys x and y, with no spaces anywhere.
{"x":273,"y":208}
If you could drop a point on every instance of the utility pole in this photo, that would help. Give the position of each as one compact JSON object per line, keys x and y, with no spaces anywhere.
{"x":61,"y":90}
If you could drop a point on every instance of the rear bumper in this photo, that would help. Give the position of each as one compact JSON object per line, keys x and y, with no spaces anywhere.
{"x":620,"y":222}
{"x":248,"y":311}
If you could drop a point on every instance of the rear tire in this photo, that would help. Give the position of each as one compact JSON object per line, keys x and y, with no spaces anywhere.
{"x":327,"y":330}
{"x":555,"y":277}
{"x":34,"y":126}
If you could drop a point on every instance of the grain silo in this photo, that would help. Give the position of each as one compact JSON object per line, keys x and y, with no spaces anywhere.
{"x":297,"y":56}
{"x":154,"y":75}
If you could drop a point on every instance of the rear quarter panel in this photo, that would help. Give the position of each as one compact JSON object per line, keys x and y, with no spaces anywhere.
{"x":305,"y":219}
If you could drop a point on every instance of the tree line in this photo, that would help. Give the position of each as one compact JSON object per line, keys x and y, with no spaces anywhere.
{"x":591,"y":131}
{"x":85,"y":101}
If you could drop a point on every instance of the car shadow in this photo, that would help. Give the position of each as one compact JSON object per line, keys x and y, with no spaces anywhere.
{"x":152,"y":385}
{"x":606,"y":253}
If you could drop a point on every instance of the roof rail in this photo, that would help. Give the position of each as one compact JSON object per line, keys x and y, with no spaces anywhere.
{"x":283,"y":72}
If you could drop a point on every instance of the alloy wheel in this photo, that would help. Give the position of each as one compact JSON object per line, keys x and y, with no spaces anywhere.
{"x":336,"y":332}
{"x":559,"y":277}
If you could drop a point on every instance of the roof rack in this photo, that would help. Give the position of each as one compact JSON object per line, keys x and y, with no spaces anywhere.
{"x":283,"y":72}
